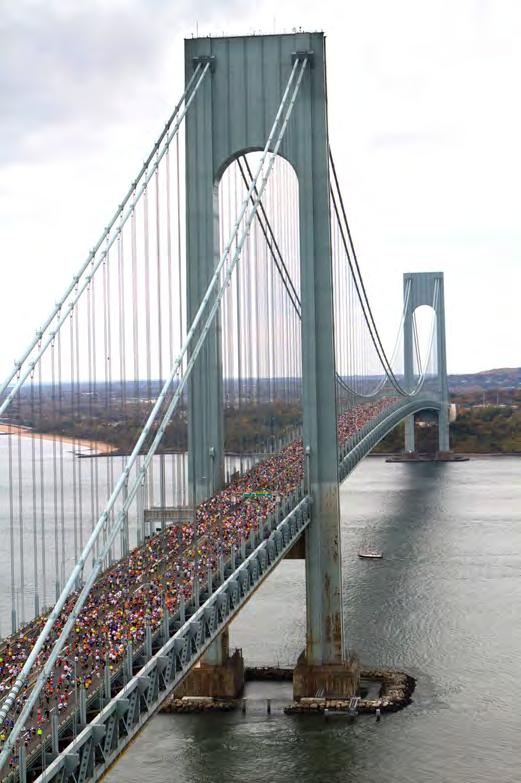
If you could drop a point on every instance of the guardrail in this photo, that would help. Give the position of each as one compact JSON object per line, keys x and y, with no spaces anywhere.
{"x":372,"y":433}
{"x":185,"y":638}
{"x":125,"y":701}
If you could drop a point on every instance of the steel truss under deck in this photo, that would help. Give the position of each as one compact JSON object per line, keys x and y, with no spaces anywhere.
{"x":121,"y":706}
{"x":147,"y":677}
{"x":116,"y":712}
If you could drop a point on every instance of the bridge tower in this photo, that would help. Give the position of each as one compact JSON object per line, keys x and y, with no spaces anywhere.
{"x":426,"y":288}
{"x":233,"y":115}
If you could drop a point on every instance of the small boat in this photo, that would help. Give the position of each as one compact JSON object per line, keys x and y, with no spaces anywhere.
{"x":370,"y":554}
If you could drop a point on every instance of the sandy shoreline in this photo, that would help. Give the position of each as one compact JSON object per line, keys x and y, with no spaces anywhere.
{"x":99,"y":447}
{"x":25,"y":432}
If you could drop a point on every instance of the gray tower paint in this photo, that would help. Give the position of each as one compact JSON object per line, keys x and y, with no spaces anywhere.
{"x":422,"y":293}
{"x":233,"y":114}
{"x":205,"y":390}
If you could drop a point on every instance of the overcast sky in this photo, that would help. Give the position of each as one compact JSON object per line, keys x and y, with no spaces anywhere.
{"x":425,"y":127}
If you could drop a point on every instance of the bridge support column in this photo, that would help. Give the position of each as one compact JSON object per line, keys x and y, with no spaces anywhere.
{"x":219,"y":651}
{"x":219,"y":674}
{"x":408,"y":363}
{"x":325,"y":651}
{"x":339,"y":680}
{"x":325,"y":622}
{"x":248,"y":79}
{"x":426,"y":288}
{"x":205,"y":392}
{"x":410,"y":441}
{"x":443,"y":415}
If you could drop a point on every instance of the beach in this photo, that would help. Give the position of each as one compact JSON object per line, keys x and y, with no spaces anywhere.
{"x":25,"y":432}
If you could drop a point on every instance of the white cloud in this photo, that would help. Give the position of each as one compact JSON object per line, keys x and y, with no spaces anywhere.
{"x":424,"y":124}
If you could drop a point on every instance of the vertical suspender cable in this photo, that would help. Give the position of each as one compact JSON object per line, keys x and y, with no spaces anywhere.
{"x":33,"y":487}
{"x":54,"y":476}
{"x":77,"y":397}
{"x":122,"y":213}
{"x":62,"y":501}
{"x":122,"y":357}
{"x":170,"y":294}
{"x":43,"y":537}
{"x":94,"y":397}
{"x":14,"y":624}
{"x":162,"y":501}
{"x":103,"y":395}
{"x":180,"y":292}
{"x":21,"y":618}
{"x":146,"y":257}
{"x":90,"y":393}
{"x":74,"y":443}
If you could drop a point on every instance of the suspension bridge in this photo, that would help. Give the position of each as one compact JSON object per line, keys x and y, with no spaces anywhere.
{"x":182,"y":419}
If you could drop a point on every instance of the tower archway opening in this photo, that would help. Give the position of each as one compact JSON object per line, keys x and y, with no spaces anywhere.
{"x":260,"y":328}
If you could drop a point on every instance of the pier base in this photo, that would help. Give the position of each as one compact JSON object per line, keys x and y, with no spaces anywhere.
{"x":328,"y":680}
{"x":223,"y":681}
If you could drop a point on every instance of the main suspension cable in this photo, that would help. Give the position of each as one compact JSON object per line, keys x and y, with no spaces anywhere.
{"x":123,"y":480}
{"x":122,"y":214}
{"x":361,"y":290}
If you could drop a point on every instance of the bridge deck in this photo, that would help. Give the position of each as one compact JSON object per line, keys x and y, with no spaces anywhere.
{"x":145,"y":608}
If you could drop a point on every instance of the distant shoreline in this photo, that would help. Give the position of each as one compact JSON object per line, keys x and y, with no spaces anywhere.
{"x":100,"y":448}
{"x":26,"y":432}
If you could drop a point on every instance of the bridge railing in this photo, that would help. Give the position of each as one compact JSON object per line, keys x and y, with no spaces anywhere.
{"x":137,"y":471}
{"x":226,"y":590}
{"x":381,"y":425}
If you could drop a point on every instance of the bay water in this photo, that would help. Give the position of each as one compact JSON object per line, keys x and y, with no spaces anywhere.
{"x":443,"y":605}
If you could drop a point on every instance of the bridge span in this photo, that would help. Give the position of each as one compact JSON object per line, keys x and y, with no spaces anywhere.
{"x":166,"y":626}
{"x":228,"y":312}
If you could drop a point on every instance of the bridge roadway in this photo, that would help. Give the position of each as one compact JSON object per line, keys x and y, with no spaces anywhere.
{"x":142,"y":610}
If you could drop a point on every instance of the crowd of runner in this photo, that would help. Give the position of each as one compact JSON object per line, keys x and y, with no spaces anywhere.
{"x":135,"y":591}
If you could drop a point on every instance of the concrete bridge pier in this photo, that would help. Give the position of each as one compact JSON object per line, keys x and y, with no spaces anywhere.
{"x":218,"y":674}
{"x":332,"y":679}
{"x":338,"y":680}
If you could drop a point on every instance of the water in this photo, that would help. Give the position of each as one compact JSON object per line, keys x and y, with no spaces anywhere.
{"x":61,"y":530}
{"x":444,"y":605}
